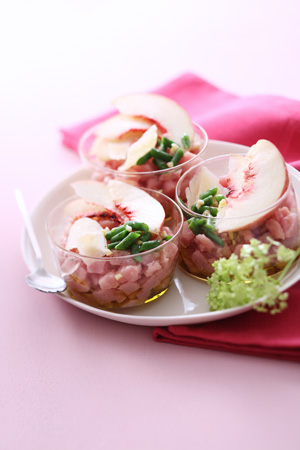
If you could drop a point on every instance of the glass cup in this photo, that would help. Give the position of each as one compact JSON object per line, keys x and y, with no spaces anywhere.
{"x":164,"y":180}
{"x":280,"y":222}
{"x":117,"y":281}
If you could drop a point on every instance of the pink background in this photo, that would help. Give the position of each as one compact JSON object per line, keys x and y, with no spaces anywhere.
{"x":70,"y":380}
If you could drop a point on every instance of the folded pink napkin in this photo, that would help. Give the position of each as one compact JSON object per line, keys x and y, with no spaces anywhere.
{"x":242,"y":120}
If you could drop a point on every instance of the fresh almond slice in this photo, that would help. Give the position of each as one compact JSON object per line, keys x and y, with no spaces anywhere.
{"x":162,"y":110}
{"x":137,"y":205}
{"x":87,"y":236}
{"x":140,"y":148}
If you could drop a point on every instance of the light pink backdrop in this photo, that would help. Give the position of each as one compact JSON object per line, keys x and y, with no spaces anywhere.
{"x":70,"y":380}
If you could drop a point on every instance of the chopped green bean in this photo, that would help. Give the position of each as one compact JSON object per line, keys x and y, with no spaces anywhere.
{"x":160,"y":164}
{"x":209,"y":192}
{"x":167,"y":238}
{"x":143,"y":159}
{"x":214,"y":237}
{"x":219,"y":198}
{"x":149,"y":245}
{"x":208,"y":200}
{"x":137,"y":226}
{"x":135,"y":248}
{"x":213,"y":211}
{"x":177,"y":157}
{"x":186,"y":143}
{"x":166,"y":142}
{"x":112,"y":245}
{"x":146,"y":236}
{"x":113,"y":232}
{"x":194,"y":227}
{"x":128,"y":241}
{"x":119,"y":236}
{"x":158,"y":154}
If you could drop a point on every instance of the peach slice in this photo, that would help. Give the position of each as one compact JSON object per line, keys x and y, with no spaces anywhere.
{"x":119,"y":125}
{"x":140,"y":148}
{"x":132,"y":203}
{"x":255,"y":182}
{"x":162,"y":110}
{"x":200,"y":183}
{"x":137,"y":205}
{"x":87,"y":236}
{"x":94,"y":192}
{"x":106,"y":150}
{"x":78,"y":208}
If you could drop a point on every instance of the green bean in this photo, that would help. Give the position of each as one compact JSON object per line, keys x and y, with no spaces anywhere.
{"x":113,"y":232}
{"x":143,"y":159}
{"x":209,"y":192}
{"x":186,"y":143}
{"x":193,"y":226}
{"x":146,"y":236}
{"x":149,"y":245}
{"x":119,"y":236}
{"x":134,"y":250}
{"x":213,"y":211}
{"x":167,"y":238}
{"x":128,"y":241}
{"x":158,"y":154}
{"x":219,"y":198}
{"x":166,"y":142}
{"x":209,"y":227}
{"x":213,"y":237}
{"x":160,"y":164}
{"x":199,"y":210}
{"x":177,"y":157}
{"x":208,"y":200}
{"x":200,"y":222}
{"x":137,"y":226}
{"x":112,"y":245}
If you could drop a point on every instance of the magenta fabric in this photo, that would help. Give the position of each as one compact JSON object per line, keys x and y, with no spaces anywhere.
{"x":242,"y":120}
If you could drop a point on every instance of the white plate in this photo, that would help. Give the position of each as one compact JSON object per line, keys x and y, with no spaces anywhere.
{"x":184,"y":302}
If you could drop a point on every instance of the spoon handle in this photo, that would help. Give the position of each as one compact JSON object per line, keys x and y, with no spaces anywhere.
{"x":28,"y":224}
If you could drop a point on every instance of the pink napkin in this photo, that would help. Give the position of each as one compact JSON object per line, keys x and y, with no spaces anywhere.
{"x":242,"y":120}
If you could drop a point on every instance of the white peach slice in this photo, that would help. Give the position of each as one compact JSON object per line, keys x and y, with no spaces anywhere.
{"x":94,"y":192}
{"x":201,"y":182}
{"x":132,"y":203}
{"x":78,"y":208}
{"x":118,"y":126}
{"x":256,"y":181}
{"x":106,"y":150}
{"x":162,"y":110}
{"x":140,"y":148}
{"x":87,"y":236}
{"x":137,"y":205}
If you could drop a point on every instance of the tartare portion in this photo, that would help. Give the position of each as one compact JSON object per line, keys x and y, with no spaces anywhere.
{"x":149,"y":142}
{"x":119,"y":247}
{"x":229,"y":200}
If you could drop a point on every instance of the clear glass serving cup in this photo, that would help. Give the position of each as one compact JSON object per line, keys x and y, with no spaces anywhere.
{"x":119,"y":281}
{"x":280,"y":222}
{"x":164,"y":180}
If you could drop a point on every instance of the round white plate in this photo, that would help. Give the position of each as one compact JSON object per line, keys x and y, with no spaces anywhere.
{"x":184,"y":302}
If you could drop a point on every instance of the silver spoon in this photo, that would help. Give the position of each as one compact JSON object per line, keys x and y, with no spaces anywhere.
{"x":39,"y":279}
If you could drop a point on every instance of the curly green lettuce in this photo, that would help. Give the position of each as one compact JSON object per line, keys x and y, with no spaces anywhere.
{"x":239,"y":281}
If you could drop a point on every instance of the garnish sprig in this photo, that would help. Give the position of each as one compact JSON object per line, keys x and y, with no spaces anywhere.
{"x":239,"y":281}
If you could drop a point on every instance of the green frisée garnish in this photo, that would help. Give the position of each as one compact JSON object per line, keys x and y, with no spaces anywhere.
{"x":239,"y":281}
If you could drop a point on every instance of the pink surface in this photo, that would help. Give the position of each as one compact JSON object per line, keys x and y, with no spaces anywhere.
{"x":70,"y":380}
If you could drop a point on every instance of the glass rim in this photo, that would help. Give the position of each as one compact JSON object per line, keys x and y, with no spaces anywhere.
{"x":108,"y":258}
{"x":219,"y":157}
{"x":91,"y":130}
